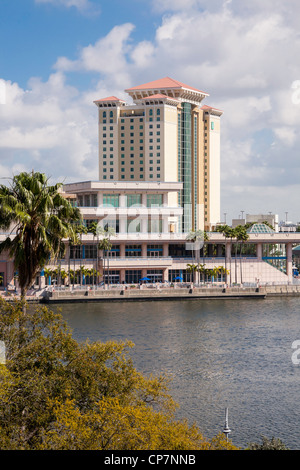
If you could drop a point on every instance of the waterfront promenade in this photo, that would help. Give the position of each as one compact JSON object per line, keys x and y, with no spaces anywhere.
{"x":154,"y":293}
{"x":185,"y":292}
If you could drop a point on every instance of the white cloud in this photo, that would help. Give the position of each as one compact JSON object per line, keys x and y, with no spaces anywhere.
{"x":287,"y":135}
{"x":107,"y":57}
{"x":48,"y":127}
{"x":243,"y":55}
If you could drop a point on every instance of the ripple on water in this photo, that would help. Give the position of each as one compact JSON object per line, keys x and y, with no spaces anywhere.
{"x":219,"y":353}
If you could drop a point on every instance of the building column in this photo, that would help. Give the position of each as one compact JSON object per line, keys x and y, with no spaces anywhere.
{"x":122,"y":276}
{"x":144,"y":200}
{"x":122,"y":250}
{"x":144,"y":272}
{"x":144,"y":250}
{"x":42,"y":281}
{"x":289,"y":261}
{"x":259,"y":251}
{"x":228,"y":252}
{"x":165,"y":250}
{"x":122,"y":224}
{"x":122,"y":201}
{"x":228,"y":277}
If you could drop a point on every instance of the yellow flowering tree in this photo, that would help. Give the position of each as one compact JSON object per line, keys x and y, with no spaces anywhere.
{"x":58,"y":394}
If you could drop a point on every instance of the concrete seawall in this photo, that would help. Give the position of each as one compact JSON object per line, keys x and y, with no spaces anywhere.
{"x":180,"y":293}
{"x":152,"y":294}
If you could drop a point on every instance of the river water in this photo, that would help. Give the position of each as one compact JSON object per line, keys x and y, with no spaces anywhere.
{"x":220,"y":353}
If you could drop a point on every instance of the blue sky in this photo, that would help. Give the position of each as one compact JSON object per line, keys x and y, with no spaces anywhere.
{"x":57,"y":56}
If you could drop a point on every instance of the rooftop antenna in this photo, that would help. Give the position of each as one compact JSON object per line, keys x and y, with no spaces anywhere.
{"x":226,"y":429}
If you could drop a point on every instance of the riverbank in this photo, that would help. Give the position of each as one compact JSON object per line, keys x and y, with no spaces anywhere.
{"x":120,"y":293}
{"x":179,"y":293}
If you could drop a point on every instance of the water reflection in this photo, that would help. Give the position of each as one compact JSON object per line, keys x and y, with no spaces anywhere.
{"x":234,"y":354}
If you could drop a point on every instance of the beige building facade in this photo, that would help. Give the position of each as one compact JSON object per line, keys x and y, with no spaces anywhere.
{"x":166,"y":134}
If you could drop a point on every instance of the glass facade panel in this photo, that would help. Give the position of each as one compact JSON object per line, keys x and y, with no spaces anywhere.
{"x":154,"y":200}
{"x":133,"y":225}
{"x":154,"y":225}
{"x":113,"y":277}
{"x":133,"y":276}
{"x":195,"y":225}
{"x":185,"y":165}
{"x":155,"y":275}
{"x":90,"y":251}
{"x":179,"y":275}
{"x":111,"y":200}
{"x":134,"y":200}
{"x":132,"y":251}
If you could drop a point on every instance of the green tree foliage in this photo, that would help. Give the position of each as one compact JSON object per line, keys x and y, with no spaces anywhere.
{"x":39,"y":218}
{"x":268,"y":444}
{"x":58,"y":394}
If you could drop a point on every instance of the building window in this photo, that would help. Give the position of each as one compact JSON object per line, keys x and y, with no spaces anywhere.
{"x":133,"y":251}
{"x":154,"y":200}
{"x":133,"y":276}
{"x":90,"y":251}
{"x":134,"y":200}
{"x":111,"y":200}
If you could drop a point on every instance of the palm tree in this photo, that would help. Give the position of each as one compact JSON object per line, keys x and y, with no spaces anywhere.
{"x":105,"y":245}
{"x":48,"y":274}
{"x":228,"y":232}
{"x":201,"y":270}
{"x":192,"y":268}
{"x":92,"y":228}
{"x":40,"y":217}
{"x":84,"y":272}
{"x":81,"y":230}
{"x":215,"y":272}
{"x":241,"y":236}
{"x":223,"y":271}
{"x":63,"y":276}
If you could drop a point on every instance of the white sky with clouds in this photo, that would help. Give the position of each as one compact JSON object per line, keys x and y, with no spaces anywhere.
{"x":245,"y":56}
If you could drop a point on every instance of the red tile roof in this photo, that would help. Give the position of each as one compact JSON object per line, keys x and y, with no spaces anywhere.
{"x":110,"y":98}
{"x":209,"y":107}
{"x":157,"y":96}
{"x":166,"y":82}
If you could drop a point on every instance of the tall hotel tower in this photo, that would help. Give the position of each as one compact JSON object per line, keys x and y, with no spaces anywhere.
{"x":165,"y":135}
